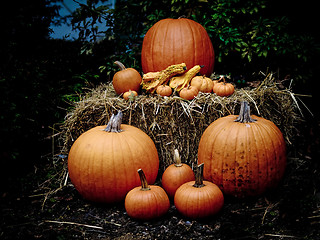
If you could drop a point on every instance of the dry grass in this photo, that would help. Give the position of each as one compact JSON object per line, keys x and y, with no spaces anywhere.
{"x":175,"y":123}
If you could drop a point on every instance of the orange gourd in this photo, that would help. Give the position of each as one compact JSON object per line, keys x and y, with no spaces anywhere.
{"x":129,"y":95}
{"x":146,"y":202}
{"x":173,"y":41}
{"x":198,"y":199}
{"x":164,"y":90}
{"x":175,"y":175}
{"x":126,"y":79}
{"x":189,"y":93}
{"x":223,"y":89}
{"x":244,"y":155}
{"x":102,"y":162}
{"x":203,"y":83}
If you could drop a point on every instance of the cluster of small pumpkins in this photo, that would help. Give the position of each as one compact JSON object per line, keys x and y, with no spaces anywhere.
{"x":193,"y":197}
{"x":239,"y":155}
{"x":175,"y":77}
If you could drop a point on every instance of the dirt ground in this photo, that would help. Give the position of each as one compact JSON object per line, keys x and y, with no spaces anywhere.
{"x":292,"y":211}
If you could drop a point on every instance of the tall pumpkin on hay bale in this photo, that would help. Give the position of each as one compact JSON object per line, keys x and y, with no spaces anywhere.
{"x":173,"y":41}
{"x":244,"y":155}
{"x":103,"y":161}
{"x":126,"y":79}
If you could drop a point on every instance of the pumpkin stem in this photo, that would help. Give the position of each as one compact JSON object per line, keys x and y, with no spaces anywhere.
{"x":144,"y":183}
{"x":222,"y":78}
{"x":120,"y":65}
{"x":114,"y":124}
{"x":244,"y":115}
{"x":199,"y":176}
{"x":177,"y":158}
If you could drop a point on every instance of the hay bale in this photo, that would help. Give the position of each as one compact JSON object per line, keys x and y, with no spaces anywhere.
{"x":175,"y":123}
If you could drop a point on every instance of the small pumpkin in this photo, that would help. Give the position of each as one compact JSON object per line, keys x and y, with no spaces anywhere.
{"x":175,"y":175}
{"x":146,"y":202}
{"x":103,"y":161}
{"x":129,"y":95}
{"x":203,"y":83}
{"x":189,"y":93}
{"x":126,"y":79}
{"x":198,"y":199}
{"x":244,"y":155}
{"x":223,"y":89}
{"x":164,"y":90}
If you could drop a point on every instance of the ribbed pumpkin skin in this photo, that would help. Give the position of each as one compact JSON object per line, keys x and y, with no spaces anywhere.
{"x":198,"y":203}
{"x":243,"y":159}
{"x":223,"y":89}
{"x":103,"y":165}
{"x":174,"y":41}
{"x":146,"y":205}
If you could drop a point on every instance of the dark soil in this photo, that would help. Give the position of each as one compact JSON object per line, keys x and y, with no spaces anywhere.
{"x":292,"y":211}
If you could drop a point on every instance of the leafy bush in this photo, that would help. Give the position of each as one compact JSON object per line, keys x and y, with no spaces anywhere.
{"x":247,"y":35}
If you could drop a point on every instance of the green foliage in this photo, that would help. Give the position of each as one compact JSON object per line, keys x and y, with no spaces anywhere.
{"x":246,"y":28}
{"x":246,"y":32}
{"x":86,"y":17}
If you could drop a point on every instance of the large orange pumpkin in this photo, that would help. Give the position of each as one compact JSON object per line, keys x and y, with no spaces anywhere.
{"x":103,"y":161}
{"x":244,"y":155}
{"x":173,"y":41}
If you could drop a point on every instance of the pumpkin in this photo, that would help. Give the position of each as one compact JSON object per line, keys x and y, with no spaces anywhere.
{"x":164,"y":90}
{"x":198,"y":199}
{"x":244,"y":155}
{"x":203,"y":83}
{"x":175,"y":175}
{"x":223,"y":89}
{"x":130,"y":95}
{"x":189,"y":93}
{"x":172,"y":41}
{"x":126,"y":79}
{"x":102,"y":162}
{"x":146,"y":202}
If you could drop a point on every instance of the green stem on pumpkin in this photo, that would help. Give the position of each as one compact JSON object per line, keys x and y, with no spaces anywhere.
{"x":199,"y":176}
{"x":144,"y":183}
{"x":120,"y":65}
{"x":176,"y":158}
{"x":244,"y":115}
{"x":114,"y":124}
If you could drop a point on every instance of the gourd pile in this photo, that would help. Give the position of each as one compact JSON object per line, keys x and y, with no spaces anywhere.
{"x":175,"y":77}
{"x":174,"y":110}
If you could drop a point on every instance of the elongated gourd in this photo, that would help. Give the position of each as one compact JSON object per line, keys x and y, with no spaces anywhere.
{"x":179,"y":82}
{"x":164,"y":76}
{"x":150,"y":76}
